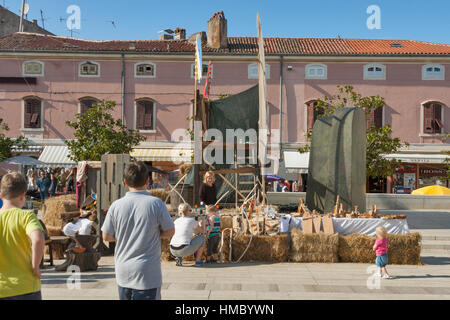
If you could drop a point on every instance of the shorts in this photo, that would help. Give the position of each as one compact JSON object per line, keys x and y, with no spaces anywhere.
{"x":213,"y":245}
{"x":382,"y":260}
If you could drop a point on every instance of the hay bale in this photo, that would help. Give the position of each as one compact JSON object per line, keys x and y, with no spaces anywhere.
{"x":356,"y":248}
{"x":165,"y":250}
{"x":53,"y":207}
{"x":185,"y":168}
{"x":227,"y":221}
{"x":161,"y":194}
{"x":263,"y":248}
{"x":403,"y":248}
{"x":316,"y":247}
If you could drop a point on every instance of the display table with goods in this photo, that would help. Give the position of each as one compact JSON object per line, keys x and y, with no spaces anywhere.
{"x":266,"y":235}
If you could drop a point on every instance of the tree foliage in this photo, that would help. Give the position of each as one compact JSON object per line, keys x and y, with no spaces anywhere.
{"x":7,"y":143}
{"x":447,"y":154}
{"x":98,"y":133}
{"x":379,"y":140}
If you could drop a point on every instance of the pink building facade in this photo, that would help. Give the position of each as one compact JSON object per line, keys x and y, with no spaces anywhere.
{"x":153,"y":88}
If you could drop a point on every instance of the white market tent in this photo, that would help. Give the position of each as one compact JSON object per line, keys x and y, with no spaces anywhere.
{"x":56,"y":156}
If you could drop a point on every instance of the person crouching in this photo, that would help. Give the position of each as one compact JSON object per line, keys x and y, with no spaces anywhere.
{"x":183,"y":243}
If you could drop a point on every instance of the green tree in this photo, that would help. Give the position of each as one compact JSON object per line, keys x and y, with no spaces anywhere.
{"x":379,"y":140}
{"x":7,"y":143}
{"x":98,"y":133}
{"x":447,"y":153}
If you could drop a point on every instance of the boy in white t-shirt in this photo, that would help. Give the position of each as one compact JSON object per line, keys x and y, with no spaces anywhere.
{"x":183,"y":243}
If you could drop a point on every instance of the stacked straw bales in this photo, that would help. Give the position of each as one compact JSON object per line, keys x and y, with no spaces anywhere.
{"x":316,"y":247}
{"x":263,"y":248}
{"x":403,"y":249}
{"x":52,"y":209}
{"x":161,"y":194}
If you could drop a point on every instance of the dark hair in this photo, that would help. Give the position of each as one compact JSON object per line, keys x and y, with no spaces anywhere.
{"x":136,"y":174}
{"x":13,"y":185}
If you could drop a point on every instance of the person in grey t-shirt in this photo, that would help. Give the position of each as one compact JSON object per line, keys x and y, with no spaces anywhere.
{"x":137,"y":222}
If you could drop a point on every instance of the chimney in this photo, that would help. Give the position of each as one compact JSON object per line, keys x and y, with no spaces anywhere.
{"x":217,"y":31}
{"x":180,"y":34}
{"x":132,"y":45}
{"x":165,"y":36}
{"x":35,"y":22}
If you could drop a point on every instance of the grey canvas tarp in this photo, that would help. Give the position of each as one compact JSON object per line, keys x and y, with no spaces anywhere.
{"x":239,"y":111}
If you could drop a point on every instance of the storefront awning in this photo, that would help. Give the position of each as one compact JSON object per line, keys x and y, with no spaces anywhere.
{"x":170,"y":155}
{"x":418,"y":158}
{"x":56,"y":156}
{"x":296,"y":162}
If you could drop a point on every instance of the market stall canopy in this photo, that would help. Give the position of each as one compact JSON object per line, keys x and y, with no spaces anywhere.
{"x":24,"y":161}
{"x":432,"y":190}
{"x":6,"y":167}
{"x":56,"y":156}
{"x":159,"y":154}
{"x":296,"y":162}
{"x":417,"y":157}
{"x":153,"y":169}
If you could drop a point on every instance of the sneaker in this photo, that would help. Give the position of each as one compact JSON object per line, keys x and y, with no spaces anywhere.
{"x":179,"y":261}
{"x":378,"y":275}
{"x":199,"y":263}
{"x":212,"y":261}
{"x":387,"y":276}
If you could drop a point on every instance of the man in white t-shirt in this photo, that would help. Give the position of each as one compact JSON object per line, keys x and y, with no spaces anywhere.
{"x":183,"y":243}
{"x":81,"y":225}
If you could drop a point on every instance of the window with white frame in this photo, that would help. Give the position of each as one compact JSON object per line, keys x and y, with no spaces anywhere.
{"x":374,"y":72}
{"x":433,"y":72}
{"x":89,"y":69}
{"x":253,"y":71}
{"x":316,"y":71}
{"x":204,"y":70}
{"x":33,"y":68}
{"x":145,"y":115}
{"x":32,"y":113}
{"x":145,"y":70}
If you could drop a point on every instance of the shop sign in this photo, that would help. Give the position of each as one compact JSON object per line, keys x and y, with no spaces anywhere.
{"x":433,"y":172}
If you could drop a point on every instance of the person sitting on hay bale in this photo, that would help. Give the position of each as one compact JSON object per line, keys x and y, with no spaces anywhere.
{"x":380,"y":247}
{"x":213,"y":234}
{"x":83,"y":224}
{"x":182,"y":244}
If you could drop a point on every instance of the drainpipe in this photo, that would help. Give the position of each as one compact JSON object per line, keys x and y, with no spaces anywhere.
{"x":281,"y":102}
{"x":123,"y":89}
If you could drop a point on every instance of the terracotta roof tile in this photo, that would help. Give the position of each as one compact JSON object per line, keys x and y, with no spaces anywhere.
{"x":236,"y":45}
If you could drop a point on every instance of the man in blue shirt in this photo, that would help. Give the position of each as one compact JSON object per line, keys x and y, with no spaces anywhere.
{"x":43,"y":185}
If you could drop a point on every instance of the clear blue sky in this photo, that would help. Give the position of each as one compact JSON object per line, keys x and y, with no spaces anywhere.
{"x":142,"y":19}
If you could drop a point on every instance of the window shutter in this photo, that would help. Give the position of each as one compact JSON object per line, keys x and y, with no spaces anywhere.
{"x":140,"y":113}
{"x":310,"y":115}
{"x":32,"y":114}
{"x":148,"y":115}
{"x":437,"y":119}
{"x":428,"y":117}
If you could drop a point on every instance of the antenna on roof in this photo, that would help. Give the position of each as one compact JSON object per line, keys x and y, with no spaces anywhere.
{"x":43,"y":19}
{"x":72,"y":32}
